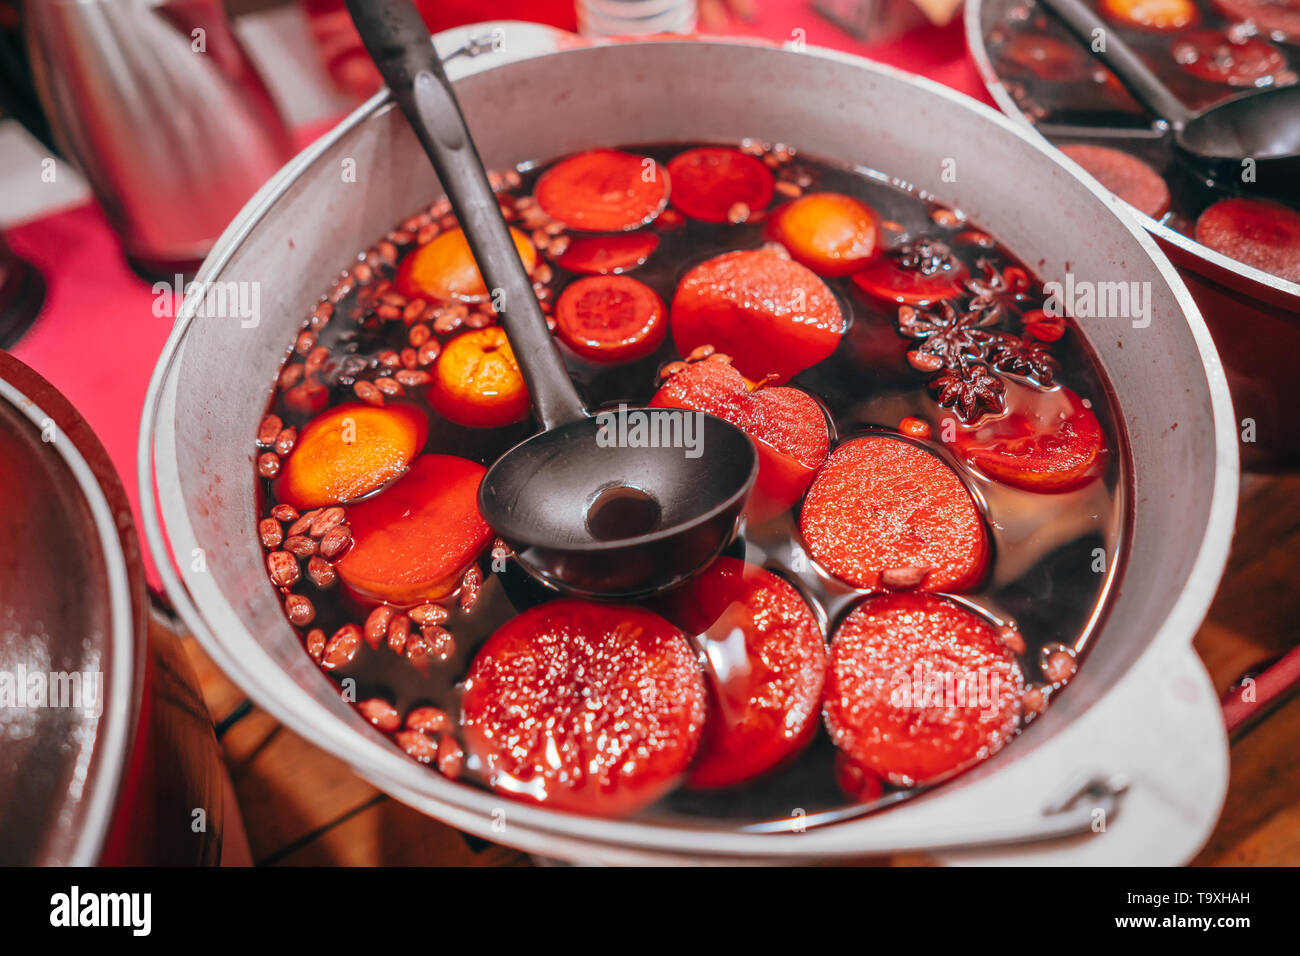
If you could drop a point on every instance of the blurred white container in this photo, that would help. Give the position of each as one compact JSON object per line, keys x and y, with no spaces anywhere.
{"x":635,"y":17}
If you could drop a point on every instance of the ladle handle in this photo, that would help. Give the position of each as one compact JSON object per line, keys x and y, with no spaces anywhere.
{"x":1084,"y":22}
{"x":399,"y":43}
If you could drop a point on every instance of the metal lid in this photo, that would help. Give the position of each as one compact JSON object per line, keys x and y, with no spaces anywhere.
{"x":71,"y":628}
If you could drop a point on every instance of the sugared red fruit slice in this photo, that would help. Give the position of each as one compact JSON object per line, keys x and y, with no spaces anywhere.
{"x":350,"y":451}
{"x":885,"y":513}
{"x":605,"y":190}
{"x":605,"y":255}
{"x":774,"y":317}
{"x":832,"y":234}
{"x":766,"y":664}
{"x":918,"y":273}
{"x":710,"y":181}
{"x":1231,"y":58}
{"x":920,"y":688}
{"x":1269,"y":16}
{"x":1260,"y":233}
{"x":444,"y":269}
{"x":610,"y":318}
{"x":412,"y":542}
{"x":1126,"y":176}
{"x":787,"y":425}
{"x":477,"y":382}
{"x":1048,"y":441}
{"x":1160,"y":15}
{"x":593,"y":708}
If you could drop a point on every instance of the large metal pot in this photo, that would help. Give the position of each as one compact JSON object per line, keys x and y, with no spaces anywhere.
{"x":1253,"y":316}
{"x":1141,"y":707}
{"x":106,"y":751}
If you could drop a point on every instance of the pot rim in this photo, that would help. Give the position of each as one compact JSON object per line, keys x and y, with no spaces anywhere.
{"x":1208,"y":261}
{"x":35,"y":399}
{"x":474,"y":810}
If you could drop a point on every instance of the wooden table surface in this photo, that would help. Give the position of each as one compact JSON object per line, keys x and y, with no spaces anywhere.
{"x":301,"y":806}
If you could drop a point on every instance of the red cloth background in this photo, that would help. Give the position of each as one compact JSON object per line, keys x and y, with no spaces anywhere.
{"x":97,"y":338}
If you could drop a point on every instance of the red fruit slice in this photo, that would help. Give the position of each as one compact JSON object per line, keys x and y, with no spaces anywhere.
{"x":1280,"y":16}
{"x":920,"y":688}
{"x":709,"y":181}
{"x":444,"y":268}
{"x":1126,"y":176}
{"x":610,"y":318}
{"x":830,"y":233}
{"x":603,"y":255}
{"x":884,"y":507}
{"x":1047,"y":441}
{"x":1159,"y":15}
{"x":766,"y":662}
{"x":918,"y":273}
{"x":774,"y":317}
{"x":412,"y":542}
{"x":1233,"y":58}
{"x":350,"y":451}
{"x":604,"y":190}
{"x":1045,"y":327}
{"x":857,"y":781}
{"x":787,"y":425}
{"x":1260,"y":233}
{"x":594,"y":708}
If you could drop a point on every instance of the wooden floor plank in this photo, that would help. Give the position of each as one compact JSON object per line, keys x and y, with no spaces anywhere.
{"x":295,"y":789}
{"x":392,"y":834}
{"x":1264,"y":787}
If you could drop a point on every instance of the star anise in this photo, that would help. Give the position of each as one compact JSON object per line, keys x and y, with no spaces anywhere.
{"x":990,"y":285}
{"x":950,"y":337}
{"x":1023,"y":356}
{"x":921,"y":323}
{"x":970,"y":391}
{"x":926,"y":256}
{"x":987,"y":293}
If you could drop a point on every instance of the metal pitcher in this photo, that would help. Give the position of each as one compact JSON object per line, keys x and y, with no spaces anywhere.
{"x":163,"y":112}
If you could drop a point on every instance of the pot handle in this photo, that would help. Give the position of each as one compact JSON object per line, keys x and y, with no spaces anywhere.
{"x":1259,"y":690}
{"x":1073,"y":810}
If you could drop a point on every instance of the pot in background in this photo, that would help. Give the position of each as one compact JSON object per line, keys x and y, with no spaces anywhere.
{"x":1254,"y":317}
{"x":116,"y":763}
{"x":1140,"y":710}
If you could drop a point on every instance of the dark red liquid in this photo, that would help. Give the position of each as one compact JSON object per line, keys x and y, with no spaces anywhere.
{"x":1046,"y":575}
{"x":622,"y":512}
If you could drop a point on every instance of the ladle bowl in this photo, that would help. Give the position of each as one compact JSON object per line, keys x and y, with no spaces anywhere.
{"x":624,"y":503}
{"x":1262,"y":126}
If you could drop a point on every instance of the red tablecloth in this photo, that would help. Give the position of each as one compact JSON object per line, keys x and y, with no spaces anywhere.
{"x":97,"y":337}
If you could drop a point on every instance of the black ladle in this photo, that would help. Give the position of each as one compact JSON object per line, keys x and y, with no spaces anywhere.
{"x":1261,"y":125}
{"x":588,"y":504}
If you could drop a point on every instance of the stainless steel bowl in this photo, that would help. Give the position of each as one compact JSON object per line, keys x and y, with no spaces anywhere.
{"x":1141,"y":708}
